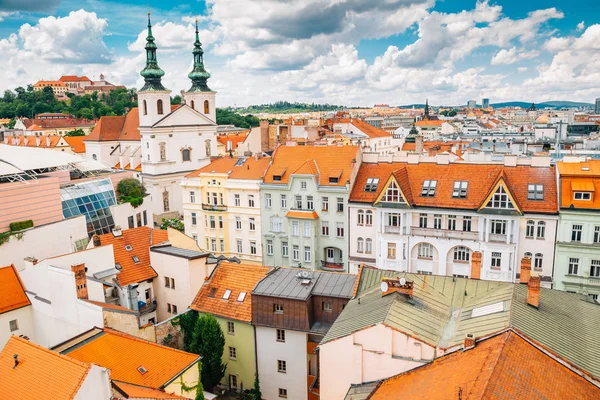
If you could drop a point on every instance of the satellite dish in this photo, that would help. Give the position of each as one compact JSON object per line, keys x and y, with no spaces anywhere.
{"x":402,"y":281}
{"x":384,"y":287}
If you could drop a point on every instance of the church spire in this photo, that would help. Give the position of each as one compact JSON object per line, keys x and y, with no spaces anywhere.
{"x":152,"y":72}
{"x":199,"y":75}
{"x":426,"y":114}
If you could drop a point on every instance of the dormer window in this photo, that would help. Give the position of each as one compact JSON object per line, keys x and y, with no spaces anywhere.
{"x":428,"y":189}
{"x":392,"y":194}
{"x":586,"y":196}
{"x":334,"y":176}
{"x":128,"y":248}
{"x":371,"y":185}
{"x":500,"y":199}
{"x":333,"y":179}
{"x":135,"y":259}
{"x":460,"y":189}
{"x":277,"y":178}
{"x":535,"y":192}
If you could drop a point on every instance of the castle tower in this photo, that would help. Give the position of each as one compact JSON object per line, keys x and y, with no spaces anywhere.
{"x":200,"y":97}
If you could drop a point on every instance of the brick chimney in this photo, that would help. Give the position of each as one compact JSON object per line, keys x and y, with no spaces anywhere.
{"x":264,"y":136}
{"x":476,"y":265}
{"x":394,"y":285}
{"x":469,"y":341}
{"x":525,"y":270}
{"x":533,"y":291}
{"x":80,"y":281}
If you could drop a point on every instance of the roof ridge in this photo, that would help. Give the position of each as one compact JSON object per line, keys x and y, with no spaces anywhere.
{"x":485,"y":365}
{"x":53,"y":353}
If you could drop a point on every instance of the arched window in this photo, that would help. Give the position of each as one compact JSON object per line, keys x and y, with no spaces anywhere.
{"x":360,"y":245}
{"x":369,"y":219}
{"x":159,"y":107}
{"x":462,"y":253}
{"x":185,"y":155}
{"x":163,"y":151}
{"x":529,"y":232}
{"x":192,"y":104}
{"x":538,"y":262}
{"x":207,"y":146}
{"x":369,"y":246}
{"x":206,"y":108}
{"x":361,"y":217}
{"x":528,"y":255}
{"x":145,"y":107}
{"x":425,"y":251}
{"x":541,"y":230}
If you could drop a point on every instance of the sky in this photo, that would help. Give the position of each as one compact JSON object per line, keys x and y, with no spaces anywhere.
{"x":347,"y":52}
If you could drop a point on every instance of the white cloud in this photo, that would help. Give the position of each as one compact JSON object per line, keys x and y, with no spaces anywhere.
{"x":522,"y":69}
{"x":581,"y":26}
{"x":512,"y":55}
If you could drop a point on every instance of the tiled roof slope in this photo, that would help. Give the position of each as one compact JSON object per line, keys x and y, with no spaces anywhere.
{"x":113,"y":128}
{"x":250,"y":169}
{"x":140,"y":239}
{"x":229,"y":276}
{"x":12,"y":291}
{"x":328,"y":160}
{"x":40,"y":372}
{"x":441,"y":314}
{"x":123,"y":354}
{"x":77,"y":143}
{"x":369,"y":130}
{"x":481,"y":178}
{"x":130,"y":129}
{"x":142,"y":392}
{"x":502,"y":367}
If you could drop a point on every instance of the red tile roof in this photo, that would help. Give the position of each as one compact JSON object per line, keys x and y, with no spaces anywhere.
{"x":74,"y":78}
{"x":142,"y":392}
{"x":234,"y":138}
{"x":502,"y":367}
{"x":140,"y":239}
{"x":250,"y":169}
{"x":113,"y":128}
{"x":369,"y":130}
{"x":300,"y":214}
{"x":77,"y":143}
{"x":12,"y":291}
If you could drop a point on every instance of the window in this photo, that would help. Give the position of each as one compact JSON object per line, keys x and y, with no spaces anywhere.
{"x":276,"y":224}
{"x":283,"y":393}
{"x":280,"y":335}
{"x":145,"y":107}
{"x":240,"y":248}
{"x":307,"y":254}
{"x":422,"y":220}
{"x":230,"y":328}
{"x":391,"y":251}
{"x":437,"y":221}
{"x":296,"y":253}
{"x":238,"y":223}
{"x":295,"y":228}
{"x":252,"y":223}
{"x":541,"y":230}
{"x":284,"y":249}
{"x":339,"y":229}
{"x":226,"y":294}
{"x":194,"y":218}
{"x":159,"y":107}
{"x":535,"y":192}
{"x":281,"y":366}
{"x":241,"y":297}
{"x":594,"y":269}
{"x":163,"y":151}
{"x":393,"y":219}
{"x":269,"y":247}
{"x":369,"y":218}
{"x":360,"y":245}
{"x":303,"y":185}
{"x":252,"y":247}
{"x":325,"y":204}
{"x":213,"y":244}
{"x":214,"y":198}
{"x":213,"y":292}
{"x":220,"y":222}
{"x":283,"y":201}
{"x":371,"y":185}
{"x":193,"y":105}
{"x":232,"y":353}
{"x":368,"y":246}
{"x":496,"y":260}
{"x":324,"y":228}
{"x":268,"y":200}
{"x":425,"y":251}
{"x":498,"y":227}
{"x":13,"y":325}
{"x":169,"y":308}
{"x":340,"y":204}
{"x":167,"y":282}
{"x":278,"y":308}
{"x":460,"y":189}
{"x":326,"y":306}
{"x":222,"y":245}
{"x":500,"y":199}
{"x":174,"y":309}
{"x":207,"y":197}
{"x":221,"y":198}
{"x":573,"y":266}
{"x":213,"y":224}
{"x":236,"y":200}
{"x":185,"y":155}
{"x":310,"y":203}
{"x":135,"y":259}
{"x":307,"y":226}
{"x":428,"y":189}
{"x":392,"y":194}
{"x":576,"y":233}
{"x":233,"y":381}
{"x":462,"y":254}
{"x":597,"y":234}
{"x":250,"y":200}
{"x":529,"y":231}
{"x":298,"y":201}
{"x":206,"y":107}
{"x":538,"y":262}
{"x":130,"y":222}
{"x":451,"y":222}
{"x":582,"y":195}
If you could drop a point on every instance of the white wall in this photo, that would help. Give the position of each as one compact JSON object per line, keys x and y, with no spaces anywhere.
{"x":24,"y":317}
{"x":96,"y":385}
{"x":122,"y":212}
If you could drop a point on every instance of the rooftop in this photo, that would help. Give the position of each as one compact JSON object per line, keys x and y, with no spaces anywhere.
{"x":235,"y":167}
{"x":178,"y":252}
{"x":114,"y":128}
{"x":142,"y":392}
{"x":12,"y":291}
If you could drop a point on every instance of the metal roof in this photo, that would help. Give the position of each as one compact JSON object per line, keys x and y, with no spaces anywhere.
{"x":178,"y":252}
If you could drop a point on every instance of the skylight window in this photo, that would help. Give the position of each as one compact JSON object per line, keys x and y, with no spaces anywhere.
{"x":371,"y":185}
{"x":118,"y":266}
{"x":535,"y":192}
{"x":226,"y":294}
{"x":487,"y":310}
{"x":135,"y":259}
{"x":460,"y":189}
{"x":428,"y":189}
{"x":213,"y":292}
{"x":240,"y":162}
{"x":142,"y":370}
{"x":241,"y":297}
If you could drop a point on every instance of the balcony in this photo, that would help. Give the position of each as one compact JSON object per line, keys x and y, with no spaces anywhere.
{"x":445,"y":233}
{"x":214,"y":207}
{"x":332,"y":266}
{"x":497,"y":275}
{"x":496,"y":237}
{"x":391,"y":229}
{"x":147,"y":308}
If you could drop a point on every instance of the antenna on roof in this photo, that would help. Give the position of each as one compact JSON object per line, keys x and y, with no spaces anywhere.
{"x":402,"y":281}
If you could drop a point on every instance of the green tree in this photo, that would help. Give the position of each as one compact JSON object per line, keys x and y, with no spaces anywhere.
{"x":131,"y":191}
{"x":255,"y":392}
{"x":209,"y":342}
{"x":176,"y":99}
{"x":187,"y":323}
{"x":76,"y":132}
{"x":173,"y":223}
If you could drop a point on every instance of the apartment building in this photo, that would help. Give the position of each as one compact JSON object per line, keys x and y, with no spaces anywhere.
{"x":370,"y":138}
{"x":221,"y":207}
{"x":304,"y":208}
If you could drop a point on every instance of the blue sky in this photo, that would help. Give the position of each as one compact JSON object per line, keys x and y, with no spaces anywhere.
{"x":351,"y":52}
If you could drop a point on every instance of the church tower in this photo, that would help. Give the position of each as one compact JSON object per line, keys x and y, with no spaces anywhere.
{"x":200,"y":97}
{"x":154,"y":100}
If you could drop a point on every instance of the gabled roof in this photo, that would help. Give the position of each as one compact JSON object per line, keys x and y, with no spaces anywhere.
{"x":369,"y":130}
{"x":124,"y":354}
{"x":130,"y":391}
{"x":140,"y":239}
{"x":40,"y":372}
{"x":583,"y":177}
{"x":77,"y":143}
{"x":505,"y":366}
{"x":186,"y":116}
{"x":248,"y":168}
{"x":237,"y":278}
{"x":12,"y":291}
{"x":108,"y":128}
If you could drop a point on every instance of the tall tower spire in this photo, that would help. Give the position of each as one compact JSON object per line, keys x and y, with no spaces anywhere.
{"x":199,"y":75}
{"x":426,"y":114}
{"x":152,"y":72}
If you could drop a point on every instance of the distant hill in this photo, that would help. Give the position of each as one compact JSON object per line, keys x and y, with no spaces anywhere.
{"x":522,"y":104}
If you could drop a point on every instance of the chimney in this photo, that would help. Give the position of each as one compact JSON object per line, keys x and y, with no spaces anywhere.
{"x":16,"y":358}
{"x":398,"y":285}
{"x":80,"y":281}
{"x":96,"y":240}
{"x":419,"y":144}
{"x":476,"y":265}
{"x":533,"y":291}
{"x":469,"y":341}
{"x":525,"y":270}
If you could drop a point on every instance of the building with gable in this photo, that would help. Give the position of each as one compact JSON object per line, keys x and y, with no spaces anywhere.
{"x":16,"y":316}
{"x":370,"y":138}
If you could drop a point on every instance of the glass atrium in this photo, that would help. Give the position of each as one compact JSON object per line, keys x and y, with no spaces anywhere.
{"x":92,"y":199}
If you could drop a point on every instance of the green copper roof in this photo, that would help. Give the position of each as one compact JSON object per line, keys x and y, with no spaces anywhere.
{"x":152,"y":72}
{"x":199,"y":75}
{"x":411,"y":137}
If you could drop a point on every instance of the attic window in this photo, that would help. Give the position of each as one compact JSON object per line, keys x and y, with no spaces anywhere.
{"x":371,"y":185}
{"x":118,"y":266}
{"x":535,"y":192}
{"x":277,"y":178}
{"x":460,"y":189}
{"x":212,"y":293}
{"x":142,"y":370}
{"x":333,"y":179}
{"x":334,"y":176}
{"x":582,"y":195}
{"x":128,"y":248}
{"x":226,"y":294}
{"x":428,"y":189}
{"x":135,"y":259}
{"x":241,"y":297}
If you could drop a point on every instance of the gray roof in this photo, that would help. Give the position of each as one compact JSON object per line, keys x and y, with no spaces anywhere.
{"x":361,"y":391}
{"x":441,"y":313}
{"x":285,"y":283}
{"x":178,"y":252}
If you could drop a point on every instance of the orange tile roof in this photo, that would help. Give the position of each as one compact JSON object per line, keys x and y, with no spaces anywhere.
{"x":123,"y":354}
{"x":502,"y":367}
{"x":130,"y":129}
{"x":324,"y":158}
{"x":481,"y":177}
{"x":111,"y":307}
{"x":77,"y":143}
{"x":300,"y":214}
{"x":12,"y":291}
{"x":34,"y":127}
{"x":429,"y":123}
{"x":142,"y":392}
{"x":230,"y":276}
{"x":369,"y":130}
{"x":138,"y":168}
{"x":48,"y":83}
{"x":74,"y":78}
{"x":250,"y":169}
{"x":234,"y":138}
{"x":579,"y":176}
{"x":139,"y":240}
{"x":40,"y":372}
{"x":108,"y":128}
